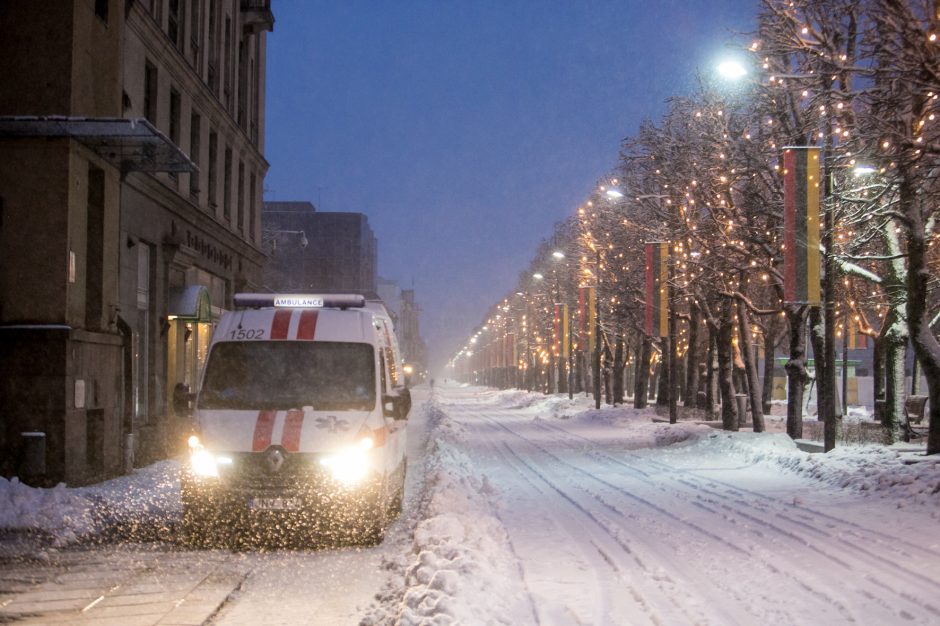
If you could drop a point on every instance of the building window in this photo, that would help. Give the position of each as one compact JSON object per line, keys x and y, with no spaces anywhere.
{"x":195,"y":129}
{"x":141,"y":336}
{"x":229,"y":65}
{"x":213,"y":169}
{"x":150,"y":93}
{"x":101,"y":10}
{"x":241,"y":197}
{"x":252,"y":208}
{"x":213,"y":69}
{"x":174,"y":122}
{"x":227,"y":190}
{"x":175,"y":117}
{"x":242,"y":113}
{"x":94,"y":249}
{"x":174,"y":26}
{"x":195,"y":32}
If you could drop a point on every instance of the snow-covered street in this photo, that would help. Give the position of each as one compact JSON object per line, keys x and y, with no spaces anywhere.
{"x":527,"y":509}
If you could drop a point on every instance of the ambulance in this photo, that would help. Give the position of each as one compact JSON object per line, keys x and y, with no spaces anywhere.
{"x":300,"y":415}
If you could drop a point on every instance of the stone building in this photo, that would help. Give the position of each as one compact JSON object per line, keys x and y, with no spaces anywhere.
{"x":315,"y":251}
{"x":405,"y":313}
{"x":131,"y":173}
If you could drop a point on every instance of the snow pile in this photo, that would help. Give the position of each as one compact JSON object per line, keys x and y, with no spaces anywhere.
{"x":69,"y":514}
{"x":463,"y":570}
{"x":873,"y":469}
{"x":60,"y":512}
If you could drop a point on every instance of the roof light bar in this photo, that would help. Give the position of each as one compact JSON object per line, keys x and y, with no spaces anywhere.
{"x":299,"y":300}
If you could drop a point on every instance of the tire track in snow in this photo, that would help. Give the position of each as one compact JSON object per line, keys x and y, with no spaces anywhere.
{"x":914,"y":579}
{"x":514,"y":461}
{"x":665,"y":585}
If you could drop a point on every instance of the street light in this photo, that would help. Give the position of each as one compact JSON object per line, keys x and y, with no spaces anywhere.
{"x":732,"y":69}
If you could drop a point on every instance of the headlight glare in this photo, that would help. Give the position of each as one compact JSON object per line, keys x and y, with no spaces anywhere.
{"x":203,"y":463}
{"x":350,"y":466}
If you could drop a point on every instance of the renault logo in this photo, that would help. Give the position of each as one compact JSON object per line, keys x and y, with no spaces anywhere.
{"x":274,"y":460}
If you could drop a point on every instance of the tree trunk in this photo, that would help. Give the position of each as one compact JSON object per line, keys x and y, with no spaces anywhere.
{"x":750,"y":368}
{"x":618,"y":370}
{"x":692,"y":357}
{"x":711,"y":380}
{"x":726,"y":366}
{"x":770,"y":363}
{"x":797,"y":376}
{"x":641,"y":390}
{"x":892,"y":418}
{"x":926,"y":346}
{"x":662,"y":374}
{"x":673,"y":381}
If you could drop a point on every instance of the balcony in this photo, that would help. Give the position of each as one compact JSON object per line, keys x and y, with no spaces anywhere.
{"x":257,"y":16}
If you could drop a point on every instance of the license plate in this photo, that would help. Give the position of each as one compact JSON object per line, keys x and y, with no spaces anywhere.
{"x":274,"y":504}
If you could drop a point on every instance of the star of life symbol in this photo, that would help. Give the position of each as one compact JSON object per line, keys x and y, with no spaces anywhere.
{"x":332,"y":424}
{"x":274,"y":460}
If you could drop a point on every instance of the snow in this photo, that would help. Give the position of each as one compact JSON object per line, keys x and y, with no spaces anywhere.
{"x":524,"y":509}
{"x":70,"y":514}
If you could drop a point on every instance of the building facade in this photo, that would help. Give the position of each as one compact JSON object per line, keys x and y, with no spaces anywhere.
{"x":131,"y":173}
{"x":405,"y":313}
{"x":314,"y":251}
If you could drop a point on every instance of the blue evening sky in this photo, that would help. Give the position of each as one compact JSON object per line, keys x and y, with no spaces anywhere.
{"x":465,"y":129}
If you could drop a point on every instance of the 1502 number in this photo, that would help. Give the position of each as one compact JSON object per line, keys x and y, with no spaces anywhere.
{"x":247,"y":333}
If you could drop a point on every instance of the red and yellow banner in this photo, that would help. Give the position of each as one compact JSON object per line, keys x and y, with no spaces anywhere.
{"x":657,"y":289}
{"x":857,"y":341}
{"x":801,"y":226}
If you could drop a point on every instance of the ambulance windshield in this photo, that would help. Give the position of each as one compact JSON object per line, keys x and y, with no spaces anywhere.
{"x":278,"y":375}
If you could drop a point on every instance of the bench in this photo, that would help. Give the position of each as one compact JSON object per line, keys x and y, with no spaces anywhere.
{"x":914,"y":409}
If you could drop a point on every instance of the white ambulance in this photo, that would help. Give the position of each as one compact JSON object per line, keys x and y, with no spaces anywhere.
{"x":300,"y":416}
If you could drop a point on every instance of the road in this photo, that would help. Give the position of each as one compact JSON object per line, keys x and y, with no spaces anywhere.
{"x":600,"y":522}
{"x":607,"y":534}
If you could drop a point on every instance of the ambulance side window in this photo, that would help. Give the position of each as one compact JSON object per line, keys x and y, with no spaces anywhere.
{"x":382,"y":369}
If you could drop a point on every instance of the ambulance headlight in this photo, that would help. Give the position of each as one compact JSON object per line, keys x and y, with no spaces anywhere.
{"x":350,"y":465}
{"x":204,"y":463}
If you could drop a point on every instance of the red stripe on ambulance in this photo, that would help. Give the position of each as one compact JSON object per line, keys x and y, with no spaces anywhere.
{"x":308,"y":325}
{"x":281,"y":324}
{"x":263,"y":429}
{"x":293,"y":424}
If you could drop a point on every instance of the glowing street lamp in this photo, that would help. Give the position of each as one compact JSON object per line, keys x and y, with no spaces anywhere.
{"x":732,"y":69}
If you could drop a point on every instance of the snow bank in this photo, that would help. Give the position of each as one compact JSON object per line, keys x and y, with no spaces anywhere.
{"x":463,"y":569}
{"x":886,"y":472}
{"x":68,"y":514}
{"x":59,"y":511}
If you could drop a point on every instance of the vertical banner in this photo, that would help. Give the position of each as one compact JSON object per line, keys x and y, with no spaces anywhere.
{"x":657,"y":289}
{"x":801,"y":225}
{"x":857,"y":341}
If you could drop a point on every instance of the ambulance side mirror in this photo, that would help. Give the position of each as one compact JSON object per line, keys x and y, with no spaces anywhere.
{"x":397,"y":405}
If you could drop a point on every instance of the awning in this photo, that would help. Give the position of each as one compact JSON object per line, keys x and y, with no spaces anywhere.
{"x":191,"y":304}
{"x":133,"y":145}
